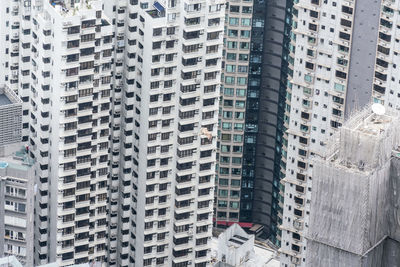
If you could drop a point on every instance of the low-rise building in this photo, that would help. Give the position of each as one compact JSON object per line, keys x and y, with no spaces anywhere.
{"x":236,"y":248}
{"x":16,"y":206}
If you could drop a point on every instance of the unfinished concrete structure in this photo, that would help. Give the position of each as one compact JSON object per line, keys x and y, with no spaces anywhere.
{"x":355,"y":219}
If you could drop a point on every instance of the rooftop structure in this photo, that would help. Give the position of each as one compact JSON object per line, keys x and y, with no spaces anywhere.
{"x":68,"y":7}
{"x":235,"y":248}
{"x":353,"y":216}
{"x":10,"y":117}
{"x":12,"y":261}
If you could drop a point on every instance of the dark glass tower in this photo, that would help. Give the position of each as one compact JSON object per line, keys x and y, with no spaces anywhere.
{"x":265,"y":110}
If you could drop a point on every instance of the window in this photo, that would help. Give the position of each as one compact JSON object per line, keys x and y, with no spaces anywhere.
{"x":222,"y":204}
{"x":231,"y":56}
{"x":225,"y":148}
{"x":234,"y":204}
{"x":244,"y":45}
{"x":243,"y":57}
{"x":339,"y":87}
{"x":242,"y":69}
{"x":230,"y":68}
{"x":241,"y":81}
{"x":222,"y":193}
{"x":228,"y":91}
{"x":233,"y":33}
{"x":240,"y":104}
{"x":237,"y":138}
{"x":238,"y":127}
{"x":227,"y":115}
{"x":241,"y":92}
{"x":157,"y":32}
{"x":237,"y":149}
{"x":234,"y":21}
{"x":230,"y":80}
{"x":226,"y":126}
{"x":232,"y":45}
{"x":246,"y":22}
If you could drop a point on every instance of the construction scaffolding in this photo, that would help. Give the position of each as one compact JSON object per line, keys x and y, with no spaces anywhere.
{"x":354,"y":217}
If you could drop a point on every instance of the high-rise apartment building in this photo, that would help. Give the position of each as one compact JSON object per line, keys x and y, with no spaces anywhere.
{"x":339,"y":56}
{"x":10,"y":27}
{"x":251,"y":114}
{"x":69,"y":116}
{"x":167,"y":81}
{"x":232,"y":110}
{"x":353,"y":217}
{"x":146,"y":197}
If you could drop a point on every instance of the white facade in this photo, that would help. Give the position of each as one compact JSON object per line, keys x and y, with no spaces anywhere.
{"x":69,"y":130}
{"x":235,"y":248}
{"x":12,"y":13}
{"x":318,"y":76}
{"x":342,"y":56}
{"x":168,"y":69}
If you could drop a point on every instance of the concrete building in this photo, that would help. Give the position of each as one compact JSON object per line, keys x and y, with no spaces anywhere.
{"x":167,"y":82}
{"x":16,"y":183}
{"x":330,"y":74}
{"x":251,"y":114}
{"x":353,"y":217}
{"x":12,"y":261}
{"x":315,"y":107}
{"x":69,"y":115}
{"x":235,"y":248}
{"x":232,"y":111}
{"x":16,"y":205}
{"x":10,"y":118}
{"x":12,"y":35}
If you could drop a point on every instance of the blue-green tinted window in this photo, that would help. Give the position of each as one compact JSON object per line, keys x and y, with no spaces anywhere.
{"x":234,"y":21}
{"x":230,"y":68}
{"x":229,"y":80}
{"x":243,"y":57}
{"x":228,"y":91}
{"x":231,"y":56}
{"x":237,"y":138}
{"x":240,"y":104}
{"x":236,"y":160}
{"x":226,"y":125}
{"x":241,"y":92}
{"x":244,"y":34}
{"x":241,"y":81}
{"x":246,"y":22}
{"x":223,"y":193}
{"x":225,"y":148}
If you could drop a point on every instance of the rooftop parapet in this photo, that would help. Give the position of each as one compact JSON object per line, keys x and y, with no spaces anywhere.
{"x":366,"y":140}
{"x":68,"y":8}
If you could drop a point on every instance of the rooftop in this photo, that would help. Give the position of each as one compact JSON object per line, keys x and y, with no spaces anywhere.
{"x":4,"y":100}
{"x":240,"y":249}
{"x":158,"y":11}
{"x":364,"y":141}
{"x":8,"y":97}
{"x":65,"y":7}
{"x":12,"y":261}
{"x":263,"y":256}
{"x":18,"y":160}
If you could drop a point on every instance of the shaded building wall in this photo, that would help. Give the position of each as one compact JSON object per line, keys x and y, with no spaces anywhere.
{"x":264,"y":113}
